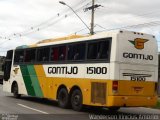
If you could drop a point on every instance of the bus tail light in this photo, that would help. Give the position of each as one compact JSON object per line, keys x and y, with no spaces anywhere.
{"x":115,"y":86}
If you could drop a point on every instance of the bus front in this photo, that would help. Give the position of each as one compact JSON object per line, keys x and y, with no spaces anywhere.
{"x":135,"y":70}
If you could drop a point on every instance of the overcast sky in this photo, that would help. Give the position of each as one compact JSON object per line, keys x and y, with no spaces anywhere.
{"x":28,"y":21}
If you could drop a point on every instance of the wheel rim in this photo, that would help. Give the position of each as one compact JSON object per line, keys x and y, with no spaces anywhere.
{"x":77,"y":100}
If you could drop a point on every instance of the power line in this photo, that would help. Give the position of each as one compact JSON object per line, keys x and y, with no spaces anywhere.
{"x":47,"y":23}
{"x":101,"y":26}
{"x":33,"y":29}
{"x":142,"y":15}
{"x":59,"y":14}
{"x":153,"y":23}
{"x":50,"y":22}
{"x":149,"y":24}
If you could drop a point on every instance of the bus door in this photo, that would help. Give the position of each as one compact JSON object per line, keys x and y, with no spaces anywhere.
{"x":7,"y":65}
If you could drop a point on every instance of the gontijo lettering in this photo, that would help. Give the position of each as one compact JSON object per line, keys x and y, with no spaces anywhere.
{"x":74,"y":70}
{"x":138,"y":56}
{"x":62,"y":70}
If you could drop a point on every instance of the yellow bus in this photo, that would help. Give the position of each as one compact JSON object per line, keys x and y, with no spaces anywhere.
{"x":109,"y":69}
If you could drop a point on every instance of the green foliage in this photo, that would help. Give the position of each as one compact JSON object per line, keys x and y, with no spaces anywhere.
{"x":158,"y":105}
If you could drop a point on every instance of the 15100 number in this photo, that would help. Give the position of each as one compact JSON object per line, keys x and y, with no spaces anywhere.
{"x":96,"y":70}
{"x":138,"y":78}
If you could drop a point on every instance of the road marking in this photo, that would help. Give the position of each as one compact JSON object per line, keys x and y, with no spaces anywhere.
{"x":32,"y":108}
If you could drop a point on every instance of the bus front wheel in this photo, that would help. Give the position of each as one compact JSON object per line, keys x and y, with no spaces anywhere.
{"x":15,"y":91}
{"x":63,"y":98}
{"x":76,"y":100}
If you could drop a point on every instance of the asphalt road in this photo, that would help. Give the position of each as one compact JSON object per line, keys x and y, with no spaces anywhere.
{"x":36,"y":108}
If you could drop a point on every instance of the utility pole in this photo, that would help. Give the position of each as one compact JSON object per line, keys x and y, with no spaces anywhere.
{"x":92,"y":19}
{"x":92,"y":8}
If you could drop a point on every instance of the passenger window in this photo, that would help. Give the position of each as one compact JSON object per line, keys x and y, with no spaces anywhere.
{"x":62,"y":53}
{"x":19,"y":56}
{"x":54,"y":54}
{"x":98,"y":50}
{"x":58,"y":53}
{"x":103,"y":50}
{"x":92,"y":50}
{"x":43,"y":54}
{"x":30,"y":55}
{"x":76,"y":51}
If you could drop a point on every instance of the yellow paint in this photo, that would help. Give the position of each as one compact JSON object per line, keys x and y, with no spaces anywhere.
{"x":57,"y":39}
{"x":42,"y":79}
{"x":132,"y":101}
{"x":33,"y":45}
{"x":61,"y":38}
{"x":139,"y":43}
{"x":130,"y":93}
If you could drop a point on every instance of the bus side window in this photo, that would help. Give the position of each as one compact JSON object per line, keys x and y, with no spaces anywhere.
{"x":76,"y":51}
{"x":62,"y":52}
{"x":43,"y":54}
{"x":19,"y":56}
{"x":80,"y":52}
{"x":70,"y":51}
{"x":98,"y":50}
{"x":103,"y":50}
{"x":30,"y":55}
{"x":51,"y":55}
{"x":92,"y":50}
{"x":54,"y":54}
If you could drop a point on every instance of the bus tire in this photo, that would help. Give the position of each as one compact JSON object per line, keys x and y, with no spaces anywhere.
{"x":114,"y":108}
{"x":76,"y":100}
{"x":63,"y":98}
{"x":15,"y":91}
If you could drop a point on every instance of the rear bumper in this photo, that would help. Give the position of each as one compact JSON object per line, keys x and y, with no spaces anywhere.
{"x":132,"y":101}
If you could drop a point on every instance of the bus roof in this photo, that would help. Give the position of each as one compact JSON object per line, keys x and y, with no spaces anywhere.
{"x":60,"y":38}
{"x":73,"y":38}
{"x":51,"y":41}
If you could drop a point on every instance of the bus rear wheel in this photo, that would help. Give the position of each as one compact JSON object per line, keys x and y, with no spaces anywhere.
{"x":63,"y":98}
{"x":76,"y":100}
{"x":15,"y":91}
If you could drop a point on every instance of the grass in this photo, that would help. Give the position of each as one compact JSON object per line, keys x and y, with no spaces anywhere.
{"x":158,"y":105}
